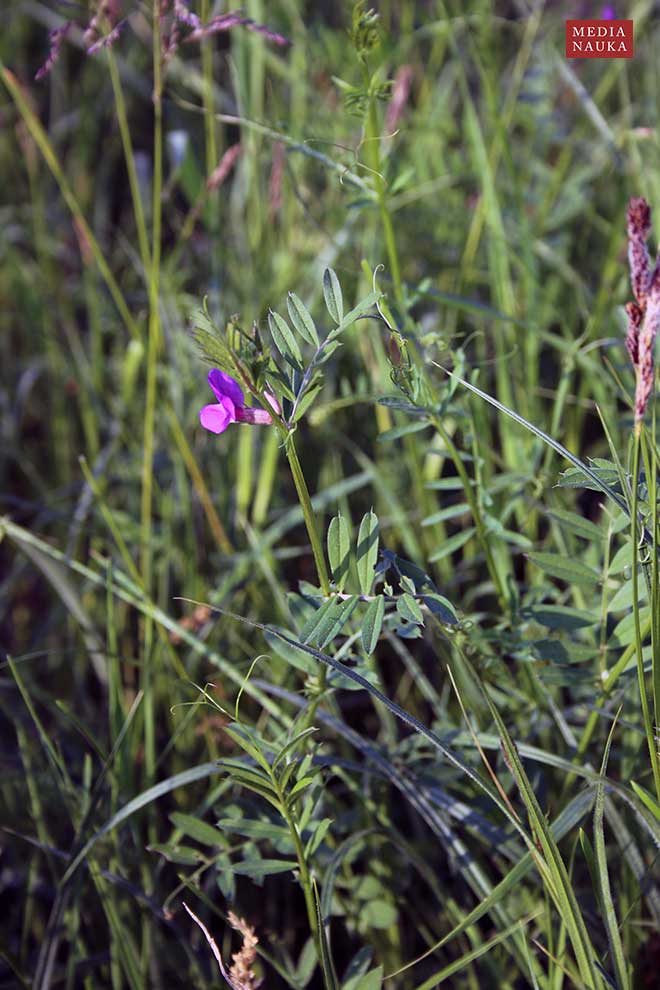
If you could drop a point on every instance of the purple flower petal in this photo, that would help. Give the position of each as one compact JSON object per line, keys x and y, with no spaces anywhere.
{"x":260,"y":417}
{"x":272,"y":402}
{"x":224,"y":385}
{"x":217,"y":418}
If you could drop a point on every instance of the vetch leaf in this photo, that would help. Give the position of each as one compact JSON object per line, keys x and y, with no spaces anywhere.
{"x":183,"y":855}
{"x":299,"y":787}
{"x":292,"y":744}
{"x":559,"y":616}
{"x":284,"y":340}
{"x":289,"y":771}
{"x":238,"y":768}
{"x":199,"y":830}
{"x":339,"y":547}
{"x":328,"y":350}
{"x":565,"y":568}
{"x":327,"y":622}
{"x":623,"y":598}
{"x":406,"y":568}
{"x":564,"y":676}
{"x":309,"y":630}
{"x":318,"y":835}
{"x":326,"y":635}
{"x":255,"y":829}
{"x":622,"y":560}
{"x":301,"y":319}
{"x":441,"y":608}
{"x":276,"y":374}
{"x":578,"y":524}
{"x":367,"y":550}
{"x":332,"y":295}
{"x":372,"y":624}
{"x":259,"y":868}
{"x":361,"y":309}
{"x":248,"y":742}
{"x":409,"y":610}
{"x":623,"y":633}
{"x":307,"y":399}
{"x":291,"y":654}
{"x":557,"y":650}
{"x":600,"y":472}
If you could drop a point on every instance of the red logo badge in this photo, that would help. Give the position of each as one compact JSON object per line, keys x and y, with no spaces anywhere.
{"x":599,"y":39}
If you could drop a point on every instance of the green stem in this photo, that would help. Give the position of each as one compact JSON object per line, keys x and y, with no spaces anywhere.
{"x":646,"y":714}
{"x":308,"y":512}
{"x":305,"y":876}
{"x":373,"y":138}
{"x":148,"y":679}
{"x":127,"y":145}
{"x":319,"y":559}
{"x":211,"y":149}
{"x":655,"y":575}
{"x":650,"y":457}
{"x":146,"y":561}
{"x":212,"y":209}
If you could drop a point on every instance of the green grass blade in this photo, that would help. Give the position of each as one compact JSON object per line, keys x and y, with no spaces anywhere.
{"x":607,"y":905}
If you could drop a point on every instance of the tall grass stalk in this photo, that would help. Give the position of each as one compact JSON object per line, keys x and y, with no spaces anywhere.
{"x":153,"y":345}
{"x":651,"y":740}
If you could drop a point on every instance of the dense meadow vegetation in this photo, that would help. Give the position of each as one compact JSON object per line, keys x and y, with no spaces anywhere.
{"x":354,"y":681}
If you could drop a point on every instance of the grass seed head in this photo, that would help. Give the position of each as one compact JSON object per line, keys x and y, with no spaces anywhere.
{"x":644,"y":314}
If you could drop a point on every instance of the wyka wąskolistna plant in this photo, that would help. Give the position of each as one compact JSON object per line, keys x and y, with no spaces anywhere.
{"x":291,"y":384}
{"x":285,"y":382}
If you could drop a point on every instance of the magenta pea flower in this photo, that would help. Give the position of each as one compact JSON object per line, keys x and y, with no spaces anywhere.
{"x":230,"y":407}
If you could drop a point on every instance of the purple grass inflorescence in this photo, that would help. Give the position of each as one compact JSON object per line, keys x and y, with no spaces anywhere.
{"x":644,"y":313}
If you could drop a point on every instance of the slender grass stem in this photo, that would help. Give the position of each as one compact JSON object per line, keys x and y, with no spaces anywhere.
{"x":211,"y":145}
{"x":146,"y":522}
{"x":129,"y":158}
{"x":646,"y":714}
{"x":649,"y":453}
{"x":655,"y":573}
{"x":45,"y":147}
{"x":373,"y":139}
